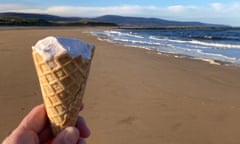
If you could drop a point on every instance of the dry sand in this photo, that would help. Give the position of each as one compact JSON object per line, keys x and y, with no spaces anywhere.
{"x":133,"y":95}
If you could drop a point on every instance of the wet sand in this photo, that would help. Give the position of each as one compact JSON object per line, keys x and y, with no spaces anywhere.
{"x":133,"y":95}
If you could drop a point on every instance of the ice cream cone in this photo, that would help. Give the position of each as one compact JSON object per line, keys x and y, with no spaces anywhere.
{"x":62,"y":81}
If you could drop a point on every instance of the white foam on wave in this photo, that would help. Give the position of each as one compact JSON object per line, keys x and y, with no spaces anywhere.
{"x":196,"y":42}
{"x":130,"y":34}
{"x":166,"y":39}
{"x":210,"y":61}
{"x":192,"y":48}
{"x":219,"y":45}
{"x":135,"y":41}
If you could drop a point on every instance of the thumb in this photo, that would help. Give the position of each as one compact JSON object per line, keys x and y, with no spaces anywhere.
{"x":70,"y":135}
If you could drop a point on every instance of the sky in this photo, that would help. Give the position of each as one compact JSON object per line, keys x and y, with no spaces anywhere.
{"x":209,"y":11}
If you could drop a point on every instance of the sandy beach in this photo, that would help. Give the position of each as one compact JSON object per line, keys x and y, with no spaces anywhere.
{"x":133,"y":95}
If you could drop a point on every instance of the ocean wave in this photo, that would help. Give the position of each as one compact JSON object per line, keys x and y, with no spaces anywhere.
{"x":218,"y":45}
{"x":209,"y":44}
{"x":136,"y":41}
{"x":208,"y":37}
{"x":170,"y":48}
{"x":129,"y":34}
{"x":166,"y":39}
{"x":214,"y":50}
{"x":199,"y":53}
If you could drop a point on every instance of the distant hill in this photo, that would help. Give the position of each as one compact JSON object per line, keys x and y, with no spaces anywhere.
{"x":107,"y":20}
{"x":19,"y":21}
{"x":28,"y":19}
{"x":45,"y":17}
{"x":150,"y":22}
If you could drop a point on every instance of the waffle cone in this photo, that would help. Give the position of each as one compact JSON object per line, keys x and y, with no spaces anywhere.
{"x":62,"y":81}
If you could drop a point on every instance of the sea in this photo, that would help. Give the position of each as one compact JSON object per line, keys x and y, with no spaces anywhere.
{"x":218,"y":45}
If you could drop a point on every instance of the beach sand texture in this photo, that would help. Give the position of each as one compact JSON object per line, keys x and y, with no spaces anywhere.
{"x":132,"y":96}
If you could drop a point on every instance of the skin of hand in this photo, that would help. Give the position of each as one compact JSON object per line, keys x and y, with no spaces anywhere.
{"x":35,"y":129}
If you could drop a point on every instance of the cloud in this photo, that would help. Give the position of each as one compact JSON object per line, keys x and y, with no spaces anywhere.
{"x":98,"y":11}
{"x":217,"y":6}
{"x":125,"y":10}
{"x":173,"y":12}
{"x":225,"y":7}
{"x":13,"y":7}
{"x":9,"y":7}
{"x":177,"y":8}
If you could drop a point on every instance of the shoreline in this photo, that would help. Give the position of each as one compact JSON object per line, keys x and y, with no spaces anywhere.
{"x":175,"y":55}
{"x":133,"y":95}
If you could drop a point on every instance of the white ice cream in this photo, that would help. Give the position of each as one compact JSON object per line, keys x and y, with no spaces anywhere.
{"x":51,"y":46}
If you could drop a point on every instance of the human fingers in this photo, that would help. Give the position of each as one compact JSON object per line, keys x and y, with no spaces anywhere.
{"x":45,"y":135}
{"x":82,"y":127}
{"x":35,"y":120}
{"x":81,"y":141}
{"x":69,"y":135}
{"x":27,"y":130}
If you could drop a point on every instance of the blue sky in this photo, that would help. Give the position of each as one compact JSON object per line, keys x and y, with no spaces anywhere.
{"x":210,"y":11}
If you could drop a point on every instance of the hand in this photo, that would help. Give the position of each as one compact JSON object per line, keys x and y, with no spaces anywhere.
{"x":35,"y":129}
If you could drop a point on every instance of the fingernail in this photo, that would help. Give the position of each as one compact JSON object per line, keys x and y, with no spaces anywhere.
{"x":71,"y":135}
